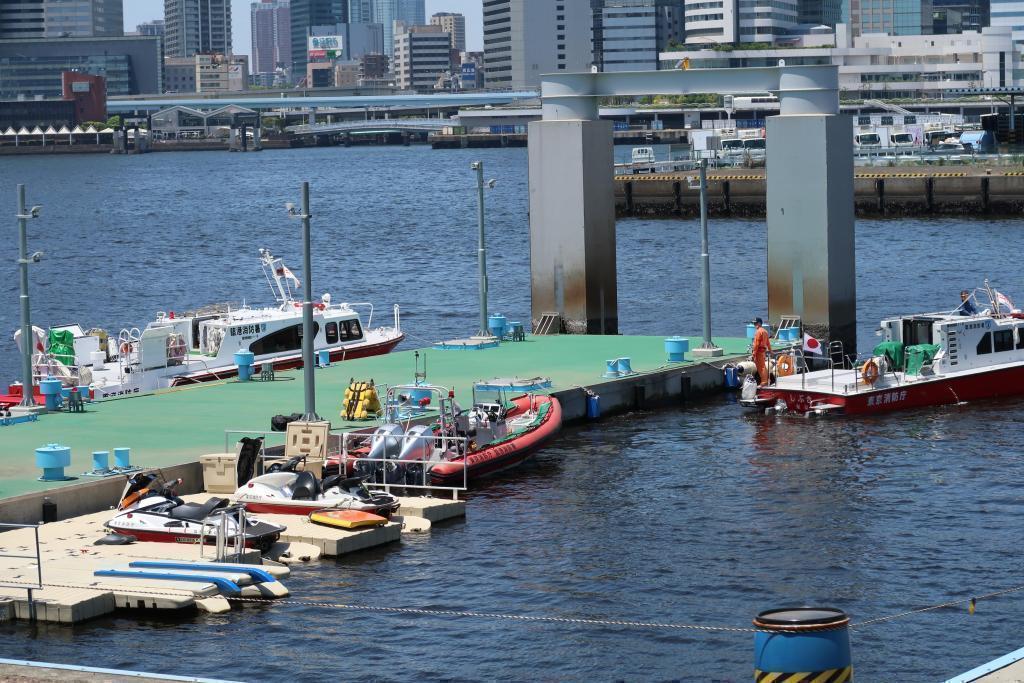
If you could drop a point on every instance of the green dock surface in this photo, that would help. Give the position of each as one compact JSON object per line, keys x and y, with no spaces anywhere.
{"x":178,"y":425}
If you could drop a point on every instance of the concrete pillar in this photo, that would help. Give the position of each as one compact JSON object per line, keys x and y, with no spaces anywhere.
{"x":811,"y":265}
{"x":572,"y":224}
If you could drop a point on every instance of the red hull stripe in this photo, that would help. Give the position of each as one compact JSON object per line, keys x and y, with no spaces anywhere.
{"x":184,"y":538}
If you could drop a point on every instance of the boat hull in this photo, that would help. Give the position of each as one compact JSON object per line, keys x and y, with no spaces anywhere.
{"x":507,"y":454}
{"x":995,"y":383}
{"x":260,"y":542}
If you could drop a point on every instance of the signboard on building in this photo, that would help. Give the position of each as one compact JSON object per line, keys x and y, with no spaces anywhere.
{"x":329,"y":47}
{"x":81,"y":86}
{"x":469,"y":75}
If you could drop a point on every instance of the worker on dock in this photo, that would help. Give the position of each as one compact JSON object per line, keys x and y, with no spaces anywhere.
{"x":966,"y":306}
{"x":762,"y":345}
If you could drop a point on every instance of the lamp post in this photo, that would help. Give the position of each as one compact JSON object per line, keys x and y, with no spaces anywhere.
{"x":707,"y":348}
{"x":307,"y":308}
{"x":23,"y":216}
{"x":478,"y":166}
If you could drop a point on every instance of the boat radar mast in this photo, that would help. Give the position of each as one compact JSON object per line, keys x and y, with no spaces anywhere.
{"x":279,"y":277}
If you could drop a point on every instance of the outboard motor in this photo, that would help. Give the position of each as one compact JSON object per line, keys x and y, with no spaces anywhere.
{"x":417,"y":448}
{"x":386,"y":442}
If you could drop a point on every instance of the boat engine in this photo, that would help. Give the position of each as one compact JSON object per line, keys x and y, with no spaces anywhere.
{"x":386,"y":443}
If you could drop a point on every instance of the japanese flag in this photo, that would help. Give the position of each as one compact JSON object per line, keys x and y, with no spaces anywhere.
{"x":811,"y":345}
{"x":284,"y":272}
{"x":1004,"y":302}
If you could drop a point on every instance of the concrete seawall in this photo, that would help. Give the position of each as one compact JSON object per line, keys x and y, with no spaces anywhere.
{"x":877,"y":193}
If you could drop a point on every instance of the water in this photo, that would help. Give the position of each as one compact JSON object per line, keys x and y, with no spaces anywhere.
{"x":698,"y":515}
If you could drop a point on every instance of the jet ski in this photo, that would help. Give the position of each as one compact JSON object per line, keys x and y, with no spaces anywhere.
{"x":150,"y":510}
{"x":287,"y":492}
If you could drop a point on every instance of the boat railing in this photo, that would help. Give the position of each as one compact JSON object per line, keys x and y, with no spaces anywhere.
{"x":218,"y":524}
{"x":362,"y":304}
{"x":386,"y":466}
{"x":30,"y":588}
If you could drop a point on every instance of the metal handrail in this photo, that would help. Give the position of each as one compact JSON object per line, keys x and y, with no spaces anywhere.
{"x":29,"y":588}
{"x":220,"y":528}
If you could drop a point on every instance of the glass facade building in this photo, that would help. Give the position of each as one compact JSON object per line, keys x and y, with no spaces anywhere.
{"x":629,"y":34}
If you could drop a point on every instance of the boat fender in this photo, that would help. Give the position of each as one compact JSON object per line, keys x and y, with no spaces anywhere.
{"x":785,"y":365}
{"x":869,"y":372}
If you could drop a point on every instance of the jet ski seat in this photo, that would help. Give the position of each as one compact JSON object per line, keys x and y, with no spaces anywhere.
{"x":197,"y":512}
{"x":306,"y":487}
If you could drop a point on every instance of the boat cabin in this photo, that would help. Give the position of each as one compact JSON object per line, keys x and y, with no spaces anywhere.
{"x":966,"y":342}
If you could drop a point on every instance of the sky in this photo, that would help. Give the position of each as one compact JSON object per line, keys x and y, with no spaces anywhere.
{"x":138,"y":11}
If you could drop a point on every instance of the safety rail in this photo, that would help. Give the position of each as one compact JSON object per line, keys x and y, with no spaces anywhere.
{"x":389,"y":466}
{"x":29,"y":588}
{"x":218,"y":523}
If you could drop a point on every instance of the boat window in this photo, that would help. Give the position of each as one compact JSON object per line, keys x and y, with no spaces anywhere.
{"x":917,"y":331}
{"x":331,"y":330}
{"x":285,"y":339}
{"x":357,"y":332}
{"x":985,"y":345}
{"x":1020,"y":337}
{"x":1002,"y":340}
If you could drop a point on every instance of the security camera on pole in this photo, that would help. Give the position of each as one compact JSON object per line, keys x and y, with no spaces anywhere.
{"x":28,"y":404}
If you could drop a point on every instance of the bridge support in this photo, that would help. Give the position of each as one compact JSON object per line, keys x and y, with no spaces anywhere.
{"x":811,"y":266}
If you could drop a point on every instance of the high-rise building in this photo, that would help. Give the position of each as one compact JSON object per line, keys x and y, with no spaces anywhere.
{"x":821,"y":12}
{"x":741,"y":21}
{"x":453,"y":24}
{"x":305,"y":14}
{"x":194,"y":26}
{"x":1010,"y":13}
{"x":525,"y":38}
{"x":893,"y":17}
{"x":974,"y":14}
{"x":422,"y":54}
{"x":387,"y":12}
{"x":84,"y":18}
{"x":151,"y":28}
{"x":22,"y":19}
{"x":629,"y":34}
{"x":271,"y":36}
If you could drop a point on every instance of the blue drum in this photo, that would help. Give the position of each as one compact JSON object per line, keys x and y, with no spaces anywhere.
{"x":813,"y":641}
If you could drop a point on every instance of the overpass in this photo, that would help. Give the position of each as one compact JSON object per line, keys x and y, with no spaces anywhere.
{"x":441,"y":100}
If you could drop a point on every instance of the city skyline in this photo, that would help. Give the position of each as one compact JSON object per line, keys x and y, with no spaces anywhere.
{"x":139,"y":11}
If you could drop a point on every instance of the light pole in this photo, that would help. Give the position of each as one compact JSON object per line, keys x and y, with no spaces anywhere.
{"x":307,"y":307}
{"x":707,"y":348}
{"x":27,"y":342}
{"x":478,"y":166}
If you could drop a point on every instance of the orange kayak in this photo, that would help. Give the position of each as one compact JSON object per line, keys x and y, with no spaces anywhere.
{"x":346,"y":519}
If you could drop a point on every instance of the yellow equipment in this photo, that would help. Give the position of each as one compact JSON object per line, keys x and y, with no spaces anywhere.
{"x":361,"y":401}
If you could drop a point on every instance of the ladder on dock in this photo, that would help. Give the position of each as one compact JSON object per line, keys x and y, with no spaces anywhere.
{"x":549,"y":323}
{"x":30,"y":588}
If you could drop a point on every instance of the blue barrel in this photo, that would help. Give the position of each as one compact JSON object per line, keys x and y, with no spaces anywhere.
{"x":497,"y":324}
{"x":676,"y":348}
{"x":244,"y":361}
{"x":323,"y":357}
{"x":813,"y":641}
{"x":100,"y":461}
{"x":51,"y":388}
{"x":750,"y":331}
{"x":611,"y":369}
{"x":622,"y":365}
{"x":52,"y":459}
{"x":123,"y":457}
{"x":593,"y":406}
{"x":732,"y":378}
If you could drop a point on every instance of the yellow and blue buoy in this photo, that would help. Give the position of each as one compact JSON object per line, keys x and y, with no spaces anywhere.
{"x":803,"y":644}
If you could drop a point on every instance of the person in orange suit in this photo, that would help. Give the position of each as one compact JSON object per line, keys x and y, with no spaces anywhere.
{"x":762,"y":345}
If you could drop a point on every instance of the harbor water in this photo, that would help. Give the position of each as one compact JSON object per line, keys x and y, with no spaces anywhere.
{"x":695,"y":515}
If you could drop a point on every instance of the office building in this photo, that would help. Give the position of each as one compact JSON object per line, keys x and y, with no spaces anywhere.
{"x":131,"y":65}
{"x":453,"y":24}
{"x":880,"y":66}
{"x":151,"y":28}
{"x":821,"y":12}
{"x":892,"y":17}
{"x":194,"y":26}
{"x":387,"y":12}
{"x":305,"y":14}
{"x":22,"y":19}
{"x":180,"y":74}
{"x":524,"y":39}
{"x":271,"y":36}
{"x":84,"y":18}
{"x":221,"y":73}
{"x":1009,"y":13}
{"x":422,"y":55}
{"x":741,"y":21}
{"x":629,"y":34}
{"x":974,"y":14}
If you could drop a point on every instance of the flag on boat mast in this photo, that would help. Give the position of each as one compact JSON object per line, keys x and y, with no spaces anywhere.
{"x":811,"y":345}
{"x":286,"y":273}
{"x":1003,"y":302}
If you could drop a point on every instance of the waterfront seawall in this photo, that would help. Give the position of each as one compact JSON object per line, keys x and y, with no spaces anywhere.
{"x":896,"y":192}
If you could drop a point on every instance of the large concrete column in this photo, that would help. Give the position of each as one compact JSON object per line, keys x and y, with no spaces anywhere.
{"x":572,"y":224}
{"x":811,"y":262}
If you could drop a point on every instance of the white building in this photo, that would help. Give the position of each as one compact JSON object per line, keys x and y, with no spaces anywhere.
{"x":222,"y":73}
{"x":740,"y":21}
{"x":1009,"y":13}
{"x":422,"y":54}
{"x":526,"y":38}
{"x":879,"y":66}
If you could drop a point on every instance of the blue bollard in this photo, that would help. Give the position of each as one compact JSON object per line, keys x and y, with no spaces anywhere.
{"x":676,"y":348}
{"x":623,"y":367}
{"x":593,"y":406}
{"x":244,"y":361}
{"x":611,"y":369}
{"x":123,"y":458}
{"x":100,"y":461}
{"x":50,"y":388}
{"x":52,"y":459}
{"x":497,"y":324}
{"x":811,"y":641}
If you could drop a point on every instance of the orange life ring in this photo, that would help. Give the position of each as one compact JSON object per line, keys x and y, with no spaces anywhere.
{"x":126,"y":348}
{"x":869,"y":372}
{"x":784,"y":365}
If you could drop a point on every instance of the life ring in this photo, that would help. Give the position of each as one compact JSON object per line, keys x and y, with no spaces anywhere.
{"x":869,"y":372}
{"x":125,"y":348}
{"x":784,"y":365}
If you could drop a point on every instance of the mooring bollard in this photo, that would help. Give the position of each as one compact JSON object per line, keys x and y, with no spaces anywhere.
{"x":812,"y":642}
{"x":244,"y":361}
{"x":123,"y":458}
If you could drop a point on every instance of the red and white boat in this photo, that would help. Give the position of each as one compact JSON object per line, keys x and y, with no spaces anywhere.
{"x":926,"y":360}
{"x":176,"y":350}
